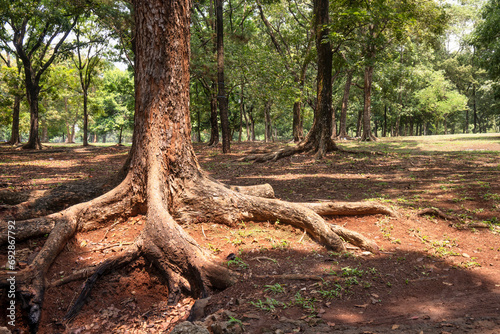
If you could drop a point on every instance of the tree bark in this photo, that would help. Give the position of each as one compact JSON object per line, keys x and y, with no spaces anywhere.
{"x":14,"y":135}
{"x":367,"y":131}
{"x":32,"y":92}
{"x":214,"y":125}
{"x":221,"y":94}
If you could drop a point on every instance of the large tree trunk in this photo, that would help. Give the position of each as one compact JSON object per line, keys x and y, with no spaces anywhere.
{"x":163,"y":180}
{"x":34,"y":139}
{"x":221,"y":89}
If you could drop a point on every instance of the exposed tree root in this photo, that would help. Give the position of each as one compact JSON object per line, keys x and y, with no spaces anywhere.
{"x":298,"y":149}
{"x":350,"y":208}
{"x":28,"y":205}
{"x":435,"y":212}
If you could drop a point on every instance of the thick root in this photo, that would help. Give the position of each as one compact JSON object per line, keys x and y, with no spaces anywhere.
{"x":176,"y":254}
{"x":349,"y":208}
{"x":260,"y":190}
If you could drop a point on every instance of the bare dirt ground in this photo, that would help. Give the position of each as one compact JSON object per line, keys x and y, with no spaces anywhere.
{"x":433,"y":275}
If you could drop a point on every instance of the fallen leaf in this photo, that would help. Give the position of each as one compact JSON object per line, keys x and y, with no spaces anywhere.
{"x":395,"y":327}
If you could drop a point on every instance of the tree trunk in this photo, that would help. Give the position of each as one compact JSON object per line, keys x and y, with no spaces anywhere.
{"x":120,"y":135}
{"x":367,"y":131}
{"x":298,"y":129}
{"x":384,"y":133}
{"x":474,"y":108}
{"x":267,"y":122}
{"x":252,"y":124}
{"x":242,"y":108}
{"x":247,"y":125}
{"x":221,"y":94}
{"x":86,"y":119}
{"x":214,"y":125}
{"x":14,"y":135}
{"x":34,"y":139}
{"x":359,"y":123}
{"x":345,"y":103}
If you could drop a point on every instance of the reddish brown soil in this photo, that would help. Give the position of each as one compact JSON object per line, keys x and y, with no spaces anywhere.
{"x":432,"y":276}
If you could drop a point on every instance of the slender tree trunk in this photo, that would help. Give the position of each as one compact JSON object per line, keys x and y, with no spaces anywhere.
{"x":242,"y":107}
{"x":384,"y":133}
{"x":466,"y":125}
{"x":297,"y":127}
{"x":86,"y":118}
{"x":247,"y":125}
{"x":221,"y":94}
{"x":267,"y":122}
{"x":120,"y":135}
{"x":34,"y":139}
{"x":252,"y":124}
{"x":474,"y":108}
{"x":214,"y":125}
{"x":198,"y":127}
{"x":359,"y":123}
{"x":367,"y":131}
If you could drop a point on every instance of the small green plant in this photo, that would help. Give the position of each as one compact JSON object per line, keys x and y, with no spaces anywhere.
{"x":268,"y":305}
{"x":348,"y":271}
{"x":305,"y":303}
{"x":351,"y":281}
{"x":235,"y":321}
{"x":276,"y":288}
{"x":237,"y":262}
{"x":213,"y":248}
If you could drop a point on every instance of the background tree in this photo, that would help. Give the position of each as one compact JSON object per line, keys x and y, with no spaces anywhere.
{"x":11,"y":76}
{"x":38,"y":30}
{"x":90,"y":43}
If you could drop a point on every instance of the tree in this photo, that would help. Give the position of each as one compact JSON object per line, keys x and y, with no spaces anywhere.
{"x":318,"y":139}
{"x":487,"y":37}
{"x":39,"y":30}
{"x":14,"y":82}
{"x":90,"y":41}
{"x":294,"y":48}
{"x":163,"y":180}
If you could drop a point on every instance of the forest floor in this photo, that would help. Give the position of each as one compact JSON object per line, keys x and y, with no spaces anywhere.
{"x":433,"y":275}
